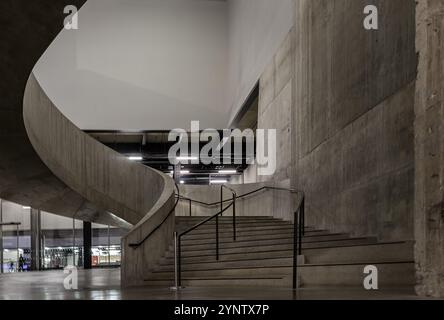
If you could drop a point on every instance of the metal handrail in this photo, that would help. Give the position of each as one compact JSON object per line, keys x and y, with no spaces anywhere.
{"x":298,"y":232}
{"x":211,"y":204}
{"x":298,"y":228}
{"x":138,"y":244}
{"x":204,"y":221}
{"x":221,"y":208}
{"x":178,"y":240}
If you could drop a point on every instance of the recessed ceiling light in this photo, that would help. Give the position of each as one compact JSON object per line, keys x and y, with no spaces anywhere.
{"x":218,"y":181}
{"x":187,"y":158}
{"x":182,"y":172}
{"x":227,"y":171}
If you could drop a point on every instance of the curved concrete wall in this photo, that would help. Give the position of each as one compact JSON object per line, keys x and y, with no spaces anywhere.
{"x":135,"y":193}
{"x":28,"y":29}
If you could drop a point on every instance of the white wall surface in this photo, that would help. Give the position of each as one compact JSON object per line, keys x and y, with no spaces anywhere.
{"x":256,"y":30}
{"x":140,"y":64}
{"x":13,"y":212}
{"x":158,"y":64}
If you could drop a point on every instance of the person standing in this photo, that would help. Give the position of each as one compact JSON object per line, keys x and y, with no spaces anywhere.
{"x":21,"y":263}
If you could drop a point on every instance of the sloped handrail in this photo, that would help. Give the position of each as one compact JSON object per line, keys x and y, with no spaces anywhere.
{"x":211,"y":204}
{"x":298,"y":228}
{"x":138,"y":244}
{"x":135,"y":193}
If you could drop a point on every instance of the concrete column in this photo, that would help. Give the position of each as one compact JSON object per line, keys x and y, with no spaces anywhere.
{"x":87,"y":241}
{"x":1,"y":236}
{"x":429,"y":149}
{"x":36,"y":228}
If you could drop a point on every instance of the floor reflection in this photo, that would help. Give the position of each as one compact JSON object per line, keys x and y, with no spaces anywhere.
{"x":104,"y":284}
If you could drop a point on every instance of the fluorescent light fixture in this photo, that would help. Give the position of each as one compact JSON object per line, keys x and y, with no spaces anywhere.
{"x":181,"y":172}
{"x":135,"y":158}
{"x":187,"y":158}
{"x":26,"y":207}
{"x":218,"y":181}
{"x":227,"y":171}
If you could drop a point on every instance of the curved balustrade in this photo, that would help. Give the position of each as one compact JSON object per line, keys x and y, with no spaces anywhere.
{"x":137,"y":194}
{"x":24,"y":178}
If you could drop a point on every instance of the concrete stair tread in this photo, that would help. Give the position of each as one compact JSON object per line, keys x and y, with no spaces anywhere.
{"x":265,"y":256}
{"x":262,"y":255}
{"x":219,"y":277}
{"x":372,"y":252}
{"x":257,"y":242}
{"x":271,"y":263}
{"x":249,"y":236}
{"x":210,"y":249}
{"x":227,"y":218}
{"x":229,"y":228}
{"x":275,"y":247}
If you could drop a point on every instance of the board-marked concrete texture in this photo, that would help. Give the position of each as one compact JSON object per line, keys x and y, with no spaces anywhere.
{"x":429,"y":148}
{"x":353,"y":116}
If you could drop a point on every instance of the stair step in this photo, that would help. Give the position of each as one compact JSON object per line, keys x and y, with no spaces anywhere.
{"x":389,"y":274}
{"x":389,"y":251}
{"x":254,"y":236}
{"x":393,"y":251}
{"x":229,"y":229}
{"x":217,"y":265}
{"x":255,"y":245}
{"x":262,"y":256}
{"x":269,"y":281}
{"x":226,"y":218}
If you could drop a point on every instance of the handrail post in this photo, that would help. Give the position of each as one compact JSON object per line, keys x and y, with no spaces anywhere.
{"x":295,"y":255}
{"x":221,"y":198}
{"x":190,"y":207}
{"x":179,"y":258}
{"x":234,"y":217}
{"x":217,"y":221}
{"x":303,"y":216}
{"x":177,"y":266}
{"x":300,"y":231}
{"x":217,"y":238}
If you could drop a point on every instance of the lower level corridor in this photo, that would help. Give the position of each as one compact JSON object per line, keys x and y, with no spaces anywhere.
{"x":104,"y":284}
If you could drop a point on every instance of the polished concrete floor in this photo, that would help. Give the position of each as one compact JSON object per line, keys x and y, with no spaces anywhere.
{"x":104,"y":284}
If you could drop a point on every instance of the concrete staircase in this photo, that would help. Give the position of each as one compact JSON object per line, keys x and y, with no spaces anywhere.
{"x":262,"y":256}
